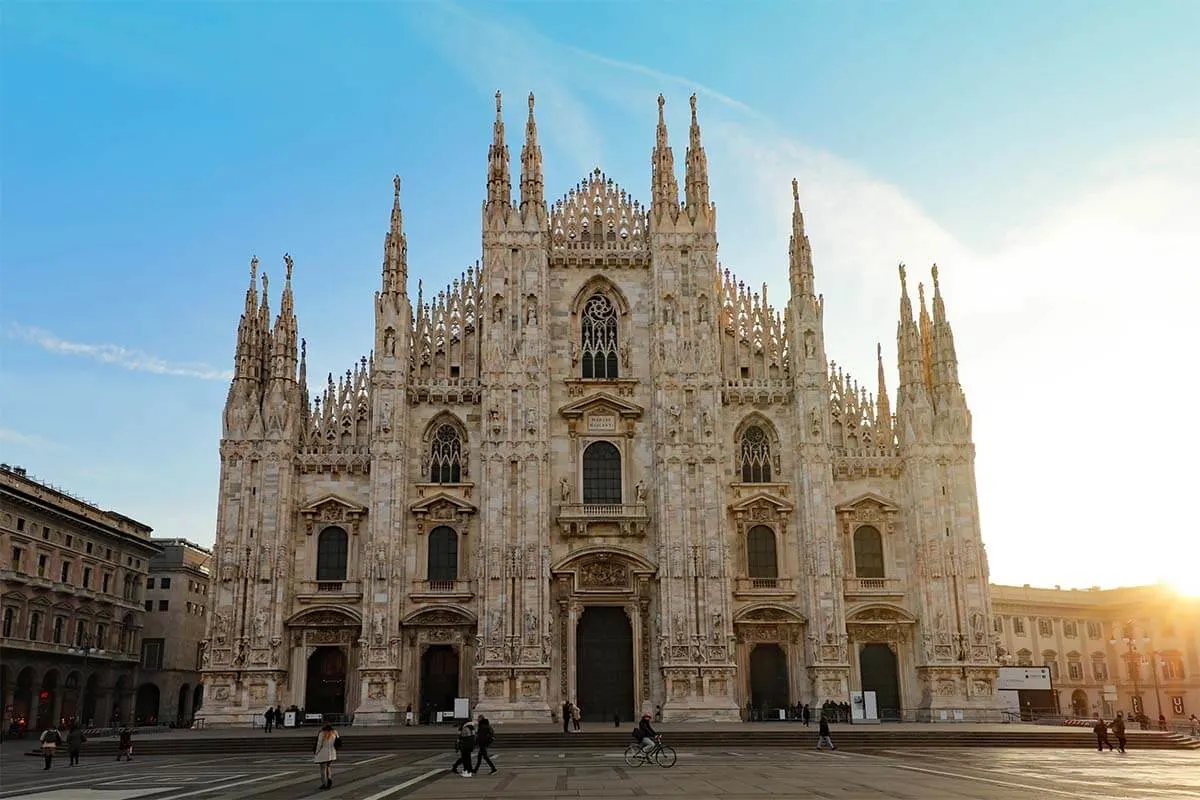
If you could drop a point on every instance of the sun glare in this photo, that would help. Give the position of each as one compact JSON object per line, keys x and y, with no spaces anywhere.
{"x":1188,"y":587}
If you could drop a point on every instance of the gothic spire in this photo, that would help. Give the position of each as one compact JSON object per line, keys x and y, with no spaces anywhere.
{"x":499,"y":191}
{"x":664,"y":186}
{"x":395,"y":247}
{"x":883,"y":407}
{"x":246,"y":359}
{"x":926,"y":339}
{"x":264,"y":331}
{"x":945,"y":359}
{"x":696,"y":176}
{"x":800,"y":269}
{"x":532,"y":185}
{"x":283,"y":355}
{"x":908,"y":343}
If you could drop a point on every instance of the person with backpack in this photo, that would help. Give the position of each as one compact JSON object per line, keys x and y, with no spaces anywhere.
{"x":125,"y":745}
{"x":465,"y":744}
{"x":50,"y":740}
{"x":483,"y":740}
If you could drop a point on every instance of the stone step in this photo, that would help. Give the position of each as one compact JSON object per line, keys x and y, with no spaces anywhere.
{"x":375,"y":740}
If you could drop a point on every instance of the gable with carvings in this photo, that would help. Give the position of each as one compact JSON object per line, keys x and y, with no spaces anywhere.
{"x":332,"y":510}
{"x":439,"y":617}
{"x":442,"y":508}
{"x":326,"y":617}
{"x":601,"y":413}
{"x":868,"y":509}
{"x":761,"y":508}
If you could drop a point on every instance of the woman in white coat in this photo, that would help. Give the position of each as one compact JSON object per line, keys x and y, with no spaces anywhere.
{"x":325,"y":754}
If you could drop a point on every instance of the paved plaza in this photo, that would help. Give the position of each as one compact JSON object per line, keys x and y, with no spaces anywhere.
{"x":983,"y":774}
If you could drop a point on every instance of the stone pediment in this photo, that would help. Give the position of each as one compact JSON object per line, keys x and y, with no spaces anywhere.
{"x":601,"y":402}
{"x":867,"y":509}
{"x":769,"y":501}
{"x":880,"y":615}
{"x":441,"y":507}
{"x":769,"y":614}
{"x":439,"y":616}
{"x":325,"y":617}
{"x":332,"y":510}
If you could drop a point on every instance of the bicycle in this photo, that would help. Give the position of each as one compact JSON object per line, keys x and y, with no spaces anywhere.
{"x":663,"y":755}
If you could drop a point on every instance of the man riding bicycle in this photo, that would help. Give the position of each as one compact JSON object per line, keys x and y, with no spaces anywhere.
{"x":647,"y":734}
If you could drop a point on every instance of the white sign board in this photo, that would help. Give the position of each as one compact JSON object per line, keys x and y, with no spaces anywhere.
{"x":1018,"y":678}
{"x":461,"y":708}
{"x":1010,"y":700}
{"x":289,"y":719}
{"x":863,"y":707}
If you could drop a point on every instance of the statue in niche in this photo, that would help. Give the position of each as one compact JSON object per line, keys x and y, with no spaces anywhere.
{"x":480,"y":651}
{"x":702,"y":310}
{"x":624,"y":350}
{"x":377,"y":627}
{"x":531,"y":420}
{"x":574,"y":353}
{"x":564,"y":490}
{"x":814,"y":422}
{"x":531,"y":313}
{"x":204,"y":654}
{"x":380,"y":563}
{"x":389,"y":342}
{"x":220,"y":627}
{"x":531,"y":621}
{"x":498,"y":311}
{"x":668,"y":313}
{"x":239,"y":653}
{"x":494,"y":414}
{"x":810,"y":344}
{"x":639,"y":492}
{"x":260,"y":626}
{"x":829,"y":630}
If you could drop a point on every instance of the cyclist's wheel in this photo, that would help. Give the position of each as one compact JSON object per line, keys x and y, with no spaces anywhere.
{"x":665,"y":756}
{"x":633,"y":755}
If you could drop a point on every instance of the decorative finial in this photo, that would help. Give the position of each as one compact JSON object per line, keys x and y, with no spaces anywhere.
{"x":264,"y":280}
{"x":692,"y":100}
{"x":796,"y":190}
{"x":253,"y":268}
{"x":935,"y":278}
{"x":396,"y":185}
{"x":531,"y":103}
{"x":921,"y":293}
{"x":287,"y":260}
{"x":497,"y":103}
{"x":903,"y":275}
{"x":662,"y":101}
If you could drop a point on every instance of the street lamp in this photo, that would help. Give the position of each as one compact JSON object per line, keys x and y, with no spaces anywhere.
{"x":86,"y":649}
{"x":1134,"y":659}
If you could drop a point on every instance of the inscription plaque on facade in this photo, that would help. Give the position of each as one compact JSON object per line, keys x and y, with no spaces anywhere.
{"x":602,"y":423}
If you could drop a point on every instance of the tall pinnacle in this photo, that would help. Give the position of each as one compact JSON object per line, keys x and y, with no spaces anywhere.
{"x":664,"y":186}
{"x":800,"y":269}
{"x":944,"y":357}
{"x":696,"y":176}
{"x":532,"y":184}
{"x":499,"y":192}
{"x":883,"y":407}
{"x":908,"y":347}
{"x":395,"y":247}
{"x":283,"y":355}
{"x":246,"y":358}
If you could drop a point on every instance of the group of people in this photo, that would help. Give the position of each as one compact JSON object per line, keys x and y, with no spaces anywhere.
{"x":571,"y":716}
{"x":471,"y":736}
{"x":72,"y":737}
{"x":1101,"y":729}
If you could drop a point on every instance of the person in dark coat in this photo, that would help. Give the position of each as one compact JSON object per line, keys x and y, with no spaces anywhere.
{"x":1101,"y":731}
{"x":485,"y":735}
{"x":1118,"y":729}
{"x":466,"y":746}
{"x":823,"y":734}
{"x":75,"y":740}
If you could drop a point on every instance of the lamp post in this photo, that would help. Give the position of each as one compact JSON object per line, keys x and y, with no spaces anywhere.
{"x":1134,"y":658}
{"x":86,"y":649}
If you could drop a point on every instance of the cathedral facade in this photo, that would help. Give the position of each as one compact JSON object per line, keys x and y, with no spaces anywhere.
{"x":595,"y":468}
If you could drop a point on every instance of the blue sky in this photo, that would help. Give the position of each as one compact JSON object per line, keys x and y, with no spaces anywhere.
{"x":1044,"y":154}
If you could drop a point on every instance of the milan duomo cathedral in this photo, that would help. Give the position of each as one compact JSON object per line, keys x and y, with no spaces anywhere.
{"x":596,"y":468}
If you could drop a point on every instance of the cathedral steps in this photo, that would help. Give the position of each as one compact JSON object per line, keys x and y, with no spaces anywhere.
{"x":848,"y":738}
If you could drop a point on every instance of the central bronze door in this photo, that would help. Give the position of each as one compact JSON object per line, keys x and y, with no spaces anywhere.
{"x":326,"y":684}
{"x":877,"y":664}
{"x":604,"y":664}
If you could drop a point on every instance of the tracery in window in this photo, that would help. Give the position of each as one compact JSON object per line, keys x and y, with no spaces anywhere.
{"x":755,"y":456}
{"x":445,"y":456}
{"x":598,"y":338}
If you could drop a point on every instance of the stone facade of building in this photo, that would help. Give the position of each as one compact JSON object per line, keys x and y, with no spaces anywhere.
{"x":71,"y":589}
{"x":177,"y":599}
{"x":1133,"y":650}
{"x":596,"y":467}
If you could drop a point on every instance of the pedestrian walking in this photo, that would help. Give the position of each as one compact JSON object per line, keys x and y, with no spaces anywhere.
{"x":465,"y":745}
{"x":566,"y":716}
{"x":1118,"y":729}
{"x":823,"y":734}
{"x":50,"y":740}
{"x":483,"y":740}
{"x":125,"y":745}
{"x":75,"y":740}
{"x":268,"y":719}
{"x":806,"y":714}
{"x":576,"y":716}
{"x":325,"y":753}
{"x":1101,"y":731}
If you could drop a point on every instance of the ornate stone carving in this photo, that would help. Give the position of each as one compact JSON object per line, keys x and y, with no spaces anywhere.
{"x":605,"y":573}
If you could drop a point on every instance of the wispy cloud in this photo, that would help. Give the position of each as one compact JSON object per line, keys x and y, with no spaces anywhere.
{"x":19,"y":439}
{"x":116,"y":355}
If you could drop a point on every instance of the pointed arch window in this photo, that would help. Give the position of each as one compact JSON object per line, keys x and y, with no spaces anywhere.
{"x":443,"y":554}
{"x":332,"y":554}
{"x":601,"y":474}
{"x":761,"y":560}
{"x":868,"y":553}
{"x":598,"y":339}
{"x":755,"y":455}
{"x":445,"y":456}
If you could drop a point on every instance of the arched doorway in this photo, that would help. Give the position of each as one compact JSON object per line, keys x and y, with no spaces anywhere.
{"x":146,"y":705}
{"x":47,"y":698}
{"x":197,"y":699}
{"x":120,"y":703}
{"x":325,"y":690}
{"x":604,"y":664}
{"x":181,"y":709}
{"x":879,"y":674}
{"x":70,"y":702}
{"x":87,"y":714}
{"x":768,"y":679}
{"x":23,"y":697}
{"x":439,"y":679}
{"x":1079,"y":703}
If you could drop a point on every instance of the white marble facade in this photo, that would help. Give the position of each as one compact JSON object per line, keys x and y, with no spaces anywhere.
{"x":597,"y":417}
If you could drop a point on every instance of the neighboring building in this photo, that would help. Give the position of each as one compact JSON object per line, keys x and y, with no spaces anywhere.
{"x":1133,"y":649}
{"x":599,"y":468}
{"x":71,"y":584}
{"x":176,"y":613}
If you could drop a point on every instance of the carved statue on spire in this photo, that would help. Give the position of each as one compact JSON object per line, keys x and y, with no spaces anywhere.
{"x":287,"y":260}
{"x":396,"y":185}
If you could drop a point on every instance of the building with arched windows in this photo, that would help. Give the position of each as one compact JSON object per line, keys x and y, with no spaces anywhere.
{"x":598,"y":468}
